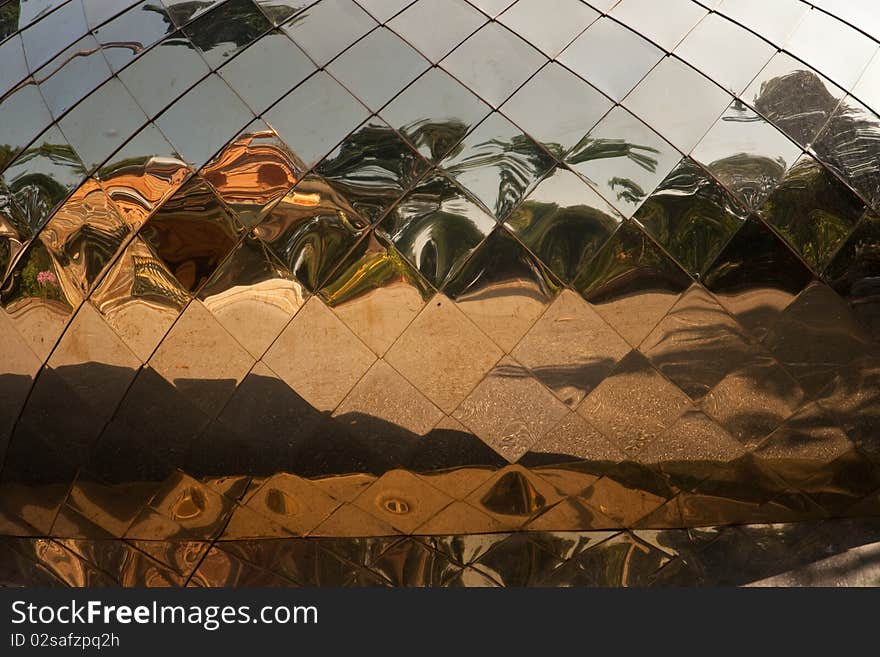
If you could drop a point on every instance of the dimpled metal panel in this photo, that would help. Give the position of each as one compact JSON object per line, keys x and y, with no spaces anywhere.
{"x":439,"y":292}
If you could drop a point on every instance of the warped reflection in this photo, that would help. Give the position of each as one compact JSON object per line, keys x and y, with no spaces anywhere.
{"x":329,"y":294}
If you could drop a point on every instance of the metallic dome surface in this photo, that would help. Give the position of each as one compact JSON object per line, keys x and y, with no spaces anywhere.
{"x":357,"y":283}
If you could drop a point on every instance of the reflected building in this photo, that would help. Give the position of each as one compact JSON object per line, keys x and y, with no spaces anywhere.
{"x":457,"y":293}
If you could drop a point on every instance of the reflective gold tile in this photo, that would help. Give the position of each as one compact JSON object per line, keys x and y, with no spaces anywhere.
{"x":568,"y":481}
{"x":19,"y":366}
{"x":517,"y":560}
{"x":620,"y":561}
{"x":464,"y":549}
{"x":220,"y":568}
{"x":384,"y":394}
{"x":197,"y":508}
{"x":697,"y":343}
{"x":756,"y":275}
{"x":71,"y":524}
{"x":39,"y":299}
{"x":111,"y":507}
{"x":411,"y":563}
{"x":575,"y":437}
{"x":344,"y":487}
{"x":610,"y":499}
{"x":634,"y":405}
{"x":67,"y":567}
{"x":570,"y":349}
{"x":459,"y":517}
{"x":350,"y":520}
{"x":694,"y":437}
{"x":253,"y":172}
{"x":246,"y":523}
{"x":459,"y":482}
{"x":181,"y":556}
{"x":318,"y":356}
{"x":253,"y":296}
{"x":571,"y":512}
{"x":631,"y":283}
{"x":510,"y":410}
{"x":142,"y":175}
{"x":85,"y":234}
{"x":753,"y":399}
{"x":192,"y":232}
{"x":201,"y":359}
{"x":853,"y":400}
{"x":376,"y":293}
{"x":291,"y":502}
{"x":31,"y":509}
{"x":804,"y":442}
{"x":816,"y":335}
{"x":502,"y":288}
{"x":149,"y":525}
{"x":402,"y":500}
{"x":94,"y":361}
{"x":139,"y":298}
{"x":513,"y":495}
{"x":443,"y":354}
{"x":311,"y":229}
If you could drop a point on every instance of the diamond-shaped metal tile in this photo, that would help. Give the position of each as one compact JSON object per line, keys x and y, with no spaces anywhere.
{"x":634,"y":404}
{"x":84,"y":235}
{"x":854,"y":267}
{"x":327,"y":28}
{"x":252,"y":296}
{"x":577,"y":108}
{"x":201,"y":359}
{"x":691,"y":216}
{"x":318,"y":356}
{"x":493,"y":62}
{"x":623,"y":159}
{"x":435,"y":113}
{"x":813,"y":210}
{"x":756,"y":275}
{"x":402,"y":500}
{"x":503,"y":288}
{"x":38,"y":299}
{"x":416,"y":25}
{"x":443,"y":354}
{"x":746,"y":154}
{"x":139,"y":298}
{"x":657,"y":100}
{"x":564,"y":222}
{"x":192,"y":233}
{"x":611,"y":57}
{"x":510,"y":410}
{"x":631,"y":283}
{"x":570,"y":349}
{"x":549,"y":32}
{"x":371,"y":169}
{"x":497,"y":164}
{"x":753,"y":399}
{"x":253,"y":173}
{"x":815,"y":336}
{"x":436,"y":226}
{"x":382,"y":398}
{"x":376,"y":292}
{"x":725,"y":51}
{"x":310,"y":229}
{"x":697,"y":343}
{"x":315,"y":116}
{"x":378,"y":67}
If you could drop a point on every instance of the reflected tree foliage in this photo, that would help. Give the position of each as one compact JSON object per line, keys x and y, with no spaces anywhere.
{"x":598,"y":149}
{"x":9,"y":13}
{"x":798,"y":103}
